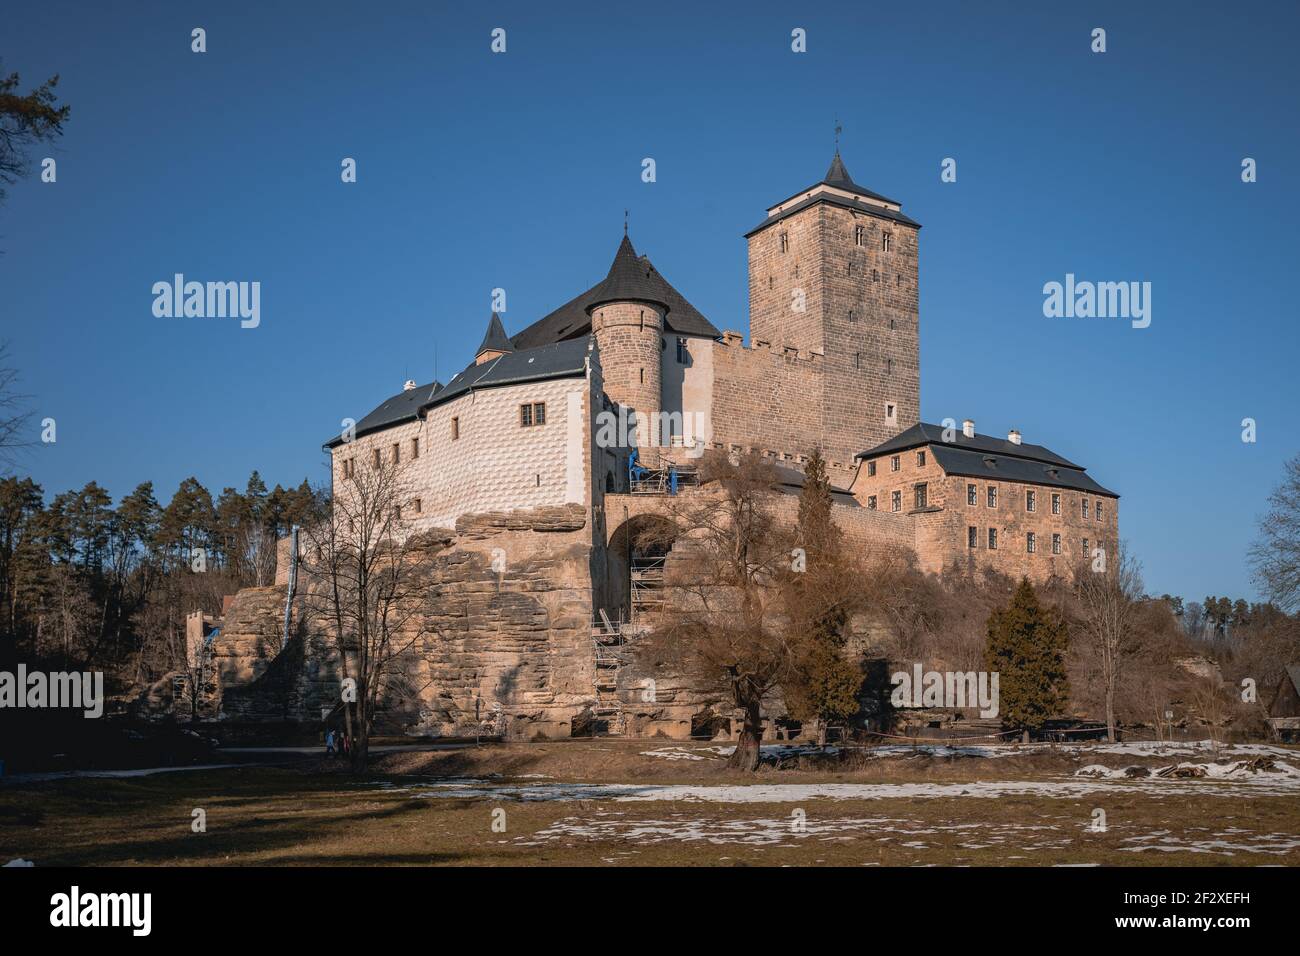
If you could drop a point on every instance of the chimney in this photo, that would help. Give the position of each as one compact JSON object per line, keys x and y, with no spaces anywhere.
{"x":408,"y":385}
{"x":1013,"y":436}
{"x":968,"y":428}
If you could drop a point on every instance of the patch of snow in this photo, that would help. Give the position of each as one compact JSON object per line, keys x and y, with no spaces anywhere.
{"x":1068,"y":788}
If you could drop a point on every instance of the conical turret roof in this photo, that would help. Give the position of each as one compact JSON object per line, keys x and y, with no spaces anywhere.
{"x":495,"y":339}
{"x":630,"y":279}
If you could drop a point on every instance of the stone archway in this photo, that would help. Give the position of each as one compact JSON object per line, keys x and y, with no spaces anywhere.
{"x":635,"y":560}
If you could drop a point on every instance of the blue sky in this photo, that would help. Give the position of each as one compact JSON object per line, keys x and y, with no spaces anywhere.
{"x":478,"y":171}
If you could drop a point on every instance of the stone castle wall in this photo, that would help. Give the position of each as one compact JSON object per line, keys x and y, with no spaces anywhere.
{"x":495,"y":463}
{"x":941,"y":528}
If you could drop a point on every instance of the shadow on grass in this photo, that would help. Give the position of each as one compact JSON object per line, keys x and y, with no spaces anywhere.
{"x":283,"y":816}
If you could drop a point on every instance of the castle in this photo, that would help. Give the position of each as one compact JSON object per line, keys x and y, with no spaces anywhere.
{"x":555,"y":443}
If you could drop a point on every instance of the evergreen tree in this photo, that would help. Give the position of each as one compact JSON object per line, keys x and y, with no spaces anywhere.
{"x":1026,"y":647}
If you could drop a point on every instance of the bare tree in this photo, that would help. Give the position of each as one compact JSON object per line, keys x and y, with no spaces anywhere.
{"x":1108,"y":601}
{"x":1275,"y":556}
{"x":361,"y":566}
{"x":14,"y":413}
{"x":721,"y":624}
{"x":258,"y":553}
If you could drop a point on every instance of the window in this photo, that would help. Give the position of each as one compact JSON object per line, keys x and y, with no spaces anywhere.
{"x":889,"y":366}
{"x":853,"y":316}
{"x":1098,"y":510}
{"x":376,"y":458}
{"x":349,"y":465}
{"x":417,"y":505}
{"x":891,"y":413}
{"x":397,"y":452}
{"x":896,"y":501}
{"x":857,"y":360}
{"x":921,"y":496}
{"x":850,"y":267}
{"x":920,"y":459}
{"x":972,"y":495}
{"x":993,"y":496}
{"x":887,"y":242}
{"x":532,"y":414}
{"x":642,"y":376}
{"x":1085,"y":547}
{"x":1031,"y":501}
{"x":972,"y":537}
{"x":871,"y":469}
{"x":1056,"y":504}
{"x":682,"y":353}
{"x":1031,"y":542}
{"x":895,"y":463}
{"x":1056,"y":544}
{"x":859,"y":235}
{"x":415,"y":448}
{"x":871,"y":502}
{"x":455,"y":429}
{"x":993,"y":539}
{"x":1083,"y":503}
{"x":785,"y":242}
{"x":875,"y":275}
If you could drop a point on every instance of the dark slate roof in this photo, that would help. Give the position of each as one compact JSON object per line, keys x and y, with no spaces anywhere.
{"x":572,"y":319}
{"x":560,"y":360}
{"x":794,"y":478}
{"x":402,"y":407}
{"x":629,"y":280}
{"x":974,"y":464}
{"x":839,"y":177}
{"x":985,"y":457}
{"x":495,"y":339}
{"x":926,"y":434}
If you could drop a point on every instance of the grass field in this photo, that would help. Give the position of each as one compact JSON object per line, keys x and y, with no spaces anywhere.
{"x":653,"y":803}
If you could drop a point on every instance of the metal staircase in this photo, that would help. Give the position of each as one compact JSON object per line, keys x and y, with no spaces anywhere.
{"x":647,"y":574}
{"x":609,"y":643}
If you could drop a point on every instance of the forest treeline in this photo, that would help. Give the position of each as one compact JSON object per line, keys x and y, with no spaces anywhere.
{"x":87,"y":583}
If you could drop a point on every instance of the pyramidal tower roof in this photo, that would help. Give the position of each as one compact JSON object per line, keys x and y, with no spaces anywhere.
{"x":837,"y":175}
{"x":630,"y":279}
{"x":495,"y":339}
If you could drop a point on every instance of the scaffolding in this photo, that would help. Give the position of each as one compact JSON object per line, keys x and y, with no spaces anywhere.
{"x":647,"y":578}
{"x":609,"y":644}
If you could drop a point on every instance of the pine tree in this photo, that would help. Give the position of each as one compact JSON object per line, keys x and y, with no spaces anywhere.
{"x":1026,"y":647}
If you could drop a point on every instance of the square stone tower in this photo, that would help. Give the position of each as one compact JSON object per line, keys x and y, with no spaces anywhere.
{"x":833,"y":269}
